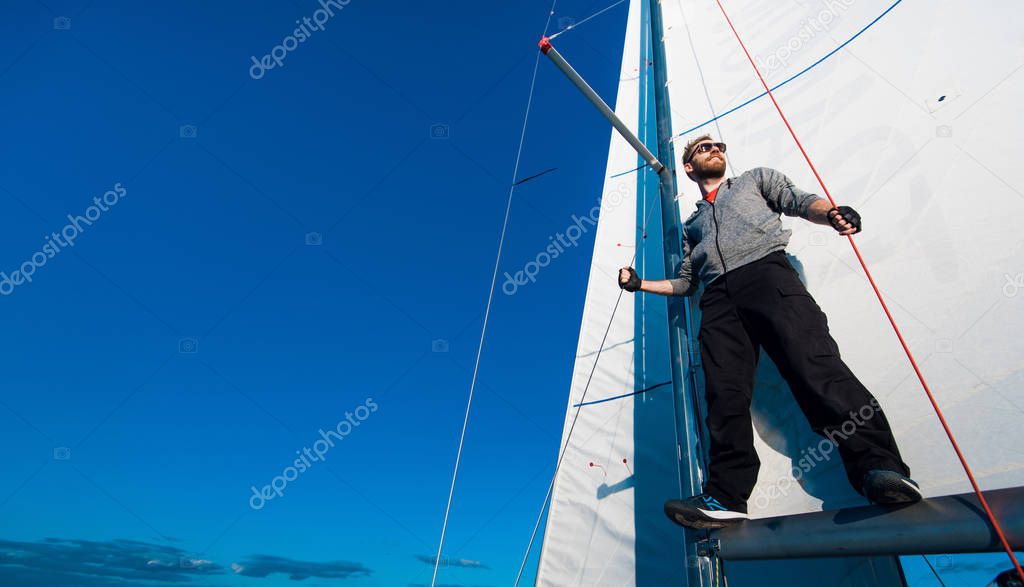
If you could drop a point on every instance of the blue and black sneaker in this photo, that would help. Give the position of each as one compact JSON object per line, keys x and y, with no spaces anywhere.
{"x":890,"y":488}
{"x":703,"y":511}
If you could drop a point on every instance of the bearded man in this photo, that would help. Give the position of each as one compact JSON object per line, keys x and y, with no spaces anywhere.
{"x":735,"y":244}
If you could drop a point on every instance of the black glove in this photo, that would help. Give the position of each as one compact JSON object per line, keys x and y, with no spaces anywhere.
{"x":846,"y":213}
{"x":631,"y":284}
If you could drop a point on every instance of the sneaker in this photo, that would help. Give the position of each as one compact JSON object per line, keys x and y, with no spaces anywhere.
{"x":702,"y":511}
{"x":1008,"y":578}
{"x":889,"y":487}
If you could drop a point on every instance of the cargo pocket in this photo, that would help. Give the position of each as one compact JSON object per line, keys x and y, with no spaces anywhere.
{"x":792,"y":291}
{"x":806,"y":321}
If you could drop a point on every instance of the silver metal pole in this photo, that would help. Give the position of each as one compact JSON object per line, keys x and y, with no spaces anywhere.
{"x":941,"y":525}
{"x":588,"y":92}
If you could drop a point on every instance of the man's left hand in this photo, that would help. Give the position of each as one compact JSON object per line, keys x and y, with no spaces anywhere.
{"x":845,"y":220}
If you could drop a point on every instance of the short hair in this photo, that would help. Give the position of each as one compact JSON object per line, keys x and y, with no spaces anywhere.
{"x":692,"y":144}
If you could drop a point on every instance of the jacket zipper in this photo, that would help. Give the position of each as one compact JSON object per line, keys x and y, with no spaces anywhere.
{"x":721,"y":258}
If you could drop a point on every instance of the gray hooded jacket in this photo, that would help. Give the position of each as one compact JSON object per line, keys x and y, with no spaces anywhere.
{"x":742,"y":226}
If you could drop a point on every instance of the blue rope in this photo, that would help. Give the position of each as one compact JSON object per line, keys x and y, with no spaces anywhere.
{"x":803,"y":71}
{"x":628,"y":172}
{"x":608,"y":399}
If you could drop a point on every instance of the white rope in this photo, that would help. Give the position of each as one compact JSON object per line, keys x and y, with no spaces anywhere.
{"x":490,"y":298}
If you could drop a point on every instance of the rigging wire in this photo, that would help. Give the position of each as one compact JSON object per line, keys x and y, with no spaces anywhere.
{"x":934,"y":572}
{"x":490,"y":298}
{"x":576,"y":24}
{"x":568,"y":436}
{"x":579,"y":405}
{"x":920,"y":376}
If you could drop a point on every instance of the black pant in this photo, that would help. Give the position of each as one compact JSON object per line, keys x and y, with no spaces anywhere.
{"x":764,"y":304}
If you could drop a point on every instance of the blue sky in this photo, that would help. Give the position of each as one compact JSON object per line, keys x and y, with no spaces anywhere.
{"x":223,"y":176}
{"x":191,"y":342}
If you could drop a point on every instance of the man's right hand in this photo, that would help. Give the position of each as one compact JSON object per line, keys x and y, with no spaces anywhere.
{"x":628,"y":279}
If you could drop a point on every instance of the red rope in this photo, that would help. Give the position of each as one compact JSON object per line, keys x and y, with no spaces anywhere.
{"x":906,"y":349}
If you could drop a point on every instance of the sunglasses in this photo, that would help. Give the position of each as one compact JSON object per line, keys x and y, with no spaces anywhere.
{"x":704,"y":148}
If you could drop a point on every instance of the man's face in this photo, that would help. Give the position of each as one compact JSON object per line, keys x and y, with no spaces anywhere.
{"x":709,"y":165}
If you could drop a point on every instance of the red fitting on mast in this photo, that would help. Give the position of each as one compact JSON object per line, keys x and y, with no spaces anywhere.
{"x":545,"y":45}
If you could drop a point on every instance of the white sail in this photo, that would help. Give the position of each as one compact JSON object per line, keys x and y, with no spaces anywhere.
{"x":915,"y":124}
{"x":909,"y":111}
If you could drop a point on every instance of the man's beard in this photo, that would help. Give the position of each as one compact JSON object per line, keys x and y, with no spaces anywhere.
{"x":710,"y":169}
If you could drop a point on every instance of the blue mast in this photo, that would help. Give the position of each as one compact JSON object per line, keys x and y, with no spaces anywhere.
{"x":690,"y":450}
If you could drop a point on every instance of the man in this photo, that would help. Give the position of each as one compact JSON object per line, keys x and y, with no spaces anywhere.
{"x":753,"y":298}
